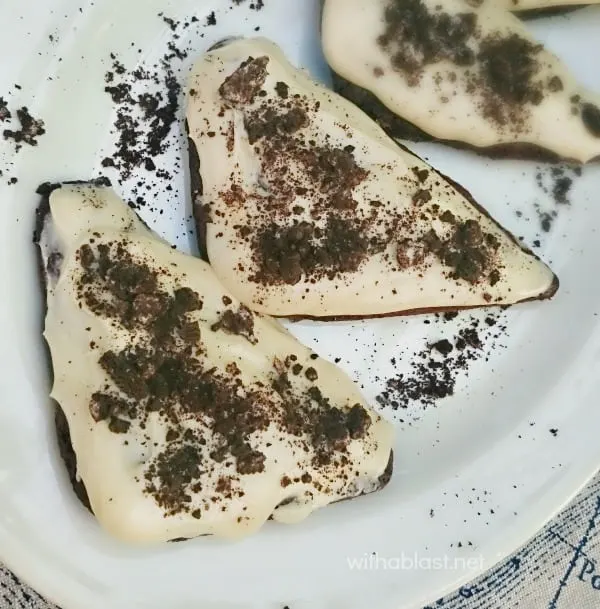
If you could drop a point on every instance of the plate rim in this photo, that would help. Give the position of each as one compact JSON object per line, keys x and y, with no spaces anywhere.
{"x":39,"y":578}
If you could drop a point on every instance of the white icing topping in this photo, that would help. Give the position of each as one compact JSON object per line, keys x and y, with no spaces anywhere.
{"x":443,"y":103}
{"x":230,"y":164}
{"x":113,"y":466}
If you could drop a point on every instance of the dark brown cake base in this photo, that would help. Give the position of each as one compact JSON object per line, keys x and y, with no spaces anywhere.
{"x":400,"y":129}
{"x":202,"y":219}
{"x":68,"y":455}
{"x":551,"y":11}
{"x":63,"y":435}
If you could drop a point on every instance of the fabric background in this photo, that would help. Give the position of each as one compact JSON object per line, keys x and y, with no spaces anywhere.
{"x":558,"y":569}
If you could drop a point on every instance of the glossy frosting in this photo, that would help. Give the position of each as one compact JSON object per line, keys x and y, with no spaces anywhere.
{"x":247,"y":186}
{"x":120,"y":459}
{"x":453,"y":102}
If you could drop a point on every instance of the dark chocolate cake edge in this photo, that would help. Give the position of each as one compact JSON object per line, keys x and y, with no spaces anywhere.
{"x":550,"y":11}
{"x":199,"y":210}
{"x":400,"y":129}
{"x":201,"y":218}
{"x":63,"y":435}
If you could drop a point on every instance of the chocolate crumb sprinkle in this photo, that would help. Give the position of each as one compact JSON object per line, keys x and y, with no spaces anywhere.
{"x":501,"y":70}
{"x":285,"y":255}
{"x":5,"y":113}
{"x":282,"y":90}
{"x":311,"y":374}
{"x":468,"y":251}
{"x":240,"y":323}
{"x":416,"y":37}
{"x":434,"y":370}
{"x":444,"y":346}
{"x":30,"y":130}
{"x":510,"y":65}
{"x":143,"y":121}
{"x":333,"y":240}
{"x":164,"y":373}
{"x":119,"y":426}
{"x":243,"y":85}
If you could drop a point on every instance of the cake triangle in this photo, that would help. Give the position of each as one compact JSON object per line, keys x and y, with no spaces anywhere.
{"x":306,"y":209}
{"x":465,"y":73}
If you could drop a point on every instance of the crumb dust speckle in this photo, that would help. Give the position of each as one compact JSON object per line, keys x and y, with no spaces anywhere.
{"x":434,"y":370}
{"x":556,"y":183}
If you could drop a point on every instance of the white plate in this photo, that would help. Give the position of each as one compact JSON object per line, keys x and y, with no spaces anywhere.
{"x":475,"y":476}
